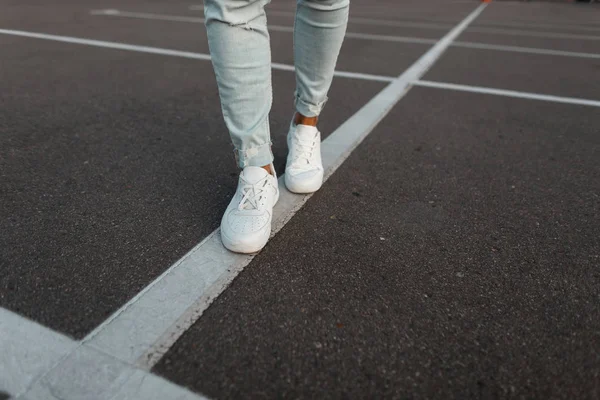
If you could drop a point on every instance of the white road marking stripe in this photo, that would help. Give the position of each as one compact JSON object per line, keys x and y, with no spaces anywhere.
{"x":508,"y":93}
{"x":40,"y":364}
{"x":142,"y":15}
{"x":174,"y":53}
{"x":435,"y":23}
{"x":354,"y":35}
{"x":472,"y":45}
{"x":145,"y":327}
{"x":526,"y":50}
{"x":274,"y":28}
{"x":552,"y":23}
{"x":110,"y":45}
{"x":390,"y":38}
{"x":492,"y":24}
{"x":371,"y":21}
{"x":400,"y":24}
{"x":88,"y":373}
{"x":28,"y":350}
{"x":553,"y":35}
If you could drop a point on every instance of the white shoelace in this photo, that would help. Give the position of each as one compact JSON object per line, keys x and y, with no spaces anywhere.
{"x":303,"y":151}
{"x":252,"y":195}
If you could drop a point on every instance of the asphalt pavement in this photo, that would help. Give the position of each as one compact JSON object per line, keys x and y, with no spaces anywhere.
{"x":454,"y":257}
{"x":454,"y":254}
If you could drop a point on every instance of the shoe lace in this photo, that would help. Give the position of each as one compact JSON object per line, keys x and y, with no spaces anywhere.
{"x":252,"y":195}
{"x":303,"y":152}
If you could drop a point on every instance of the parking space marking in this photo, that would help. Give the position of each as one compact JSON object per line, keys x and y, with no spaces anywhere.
{"x":353,"y":35}
{"x":144,"y":328}
{"x":273,"y":28}
{"x":174,"y":53}
{"x":508,"y":93}
{"x":88,"y":373}
{"x":112,"y":12}
{"x":41,"y":364}
{"x":551,"y":22}
{"x":28,"y":350}
{"x":526,"y":50}
{"x":537,"y":25}
{"x":366,"y":36}
{"x":546,"y":35}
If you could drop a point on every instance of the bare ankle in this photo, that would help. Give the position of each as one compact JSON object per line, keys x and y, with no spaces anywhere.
{"x":268,"y":168}
{"x":300,"y":119}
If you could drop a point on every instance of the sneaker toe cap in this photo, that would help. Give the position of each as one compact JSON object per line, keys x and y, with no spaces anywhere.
{"x":304,"y":181}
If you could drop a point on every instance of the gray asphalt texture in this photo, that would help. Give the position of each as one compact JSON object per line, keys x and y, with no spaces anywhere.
{"x":450,"y":257}
{"x":455,"y":254}
{"x":113,"y":170}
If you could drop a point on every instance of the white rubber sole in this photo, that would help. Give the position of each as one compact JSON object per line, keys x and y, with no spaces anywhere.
{"x":247,"y":247}
{"x":305,"y":186}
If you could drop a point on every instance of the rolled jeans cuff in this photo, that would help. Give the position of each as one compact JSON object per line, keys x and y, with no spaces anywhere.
{"x":257,"y":156}
{"x":309,"y":109}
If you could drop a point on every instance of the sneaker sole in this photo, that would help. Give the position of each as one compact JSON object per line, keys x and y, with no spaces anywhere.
{"x":304,"y":188}
{"x":245,"y":248}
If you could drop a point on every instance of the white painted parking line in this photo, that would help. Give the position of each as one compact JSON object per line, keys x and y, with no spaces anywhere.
{"x":144,"y":329}
{"x":354,"y":35}
{"x":27,"y":351}
{"x":40,"y":364}
{"x":366,"y":36}
{"x":508,"y":93}
{"x":106,"y":44}
{"x":389,"y":38}
{"x":552,"y":23}
{"x":87,"y":373}
{"x":169,"y":52}
{"x":111,"y":12}
{"x":492,"y":24}
{"x":525,"y":50}
{"x":547,"y":35}
{"x":273,"y":28}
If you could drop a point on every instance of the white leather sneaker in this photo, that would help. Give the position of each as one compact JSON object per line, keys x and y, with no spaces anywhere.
{"x":246,"y":224}
{"x":304,"y":168}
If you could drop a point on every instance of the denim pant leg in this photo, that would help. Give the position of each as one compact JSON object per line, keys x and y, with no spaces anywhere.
{"x":241,"y":57}
{"x":318,"y":35}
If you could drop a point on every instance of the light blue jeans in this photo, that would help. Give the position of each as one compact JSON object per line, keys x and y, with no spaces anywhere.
{"x":241,"y":55}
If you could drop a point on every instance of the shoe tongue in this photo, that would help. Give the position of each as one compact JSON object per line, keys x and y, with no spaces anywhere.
{"x":306,"y":131}
{"x":253,"y":175}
